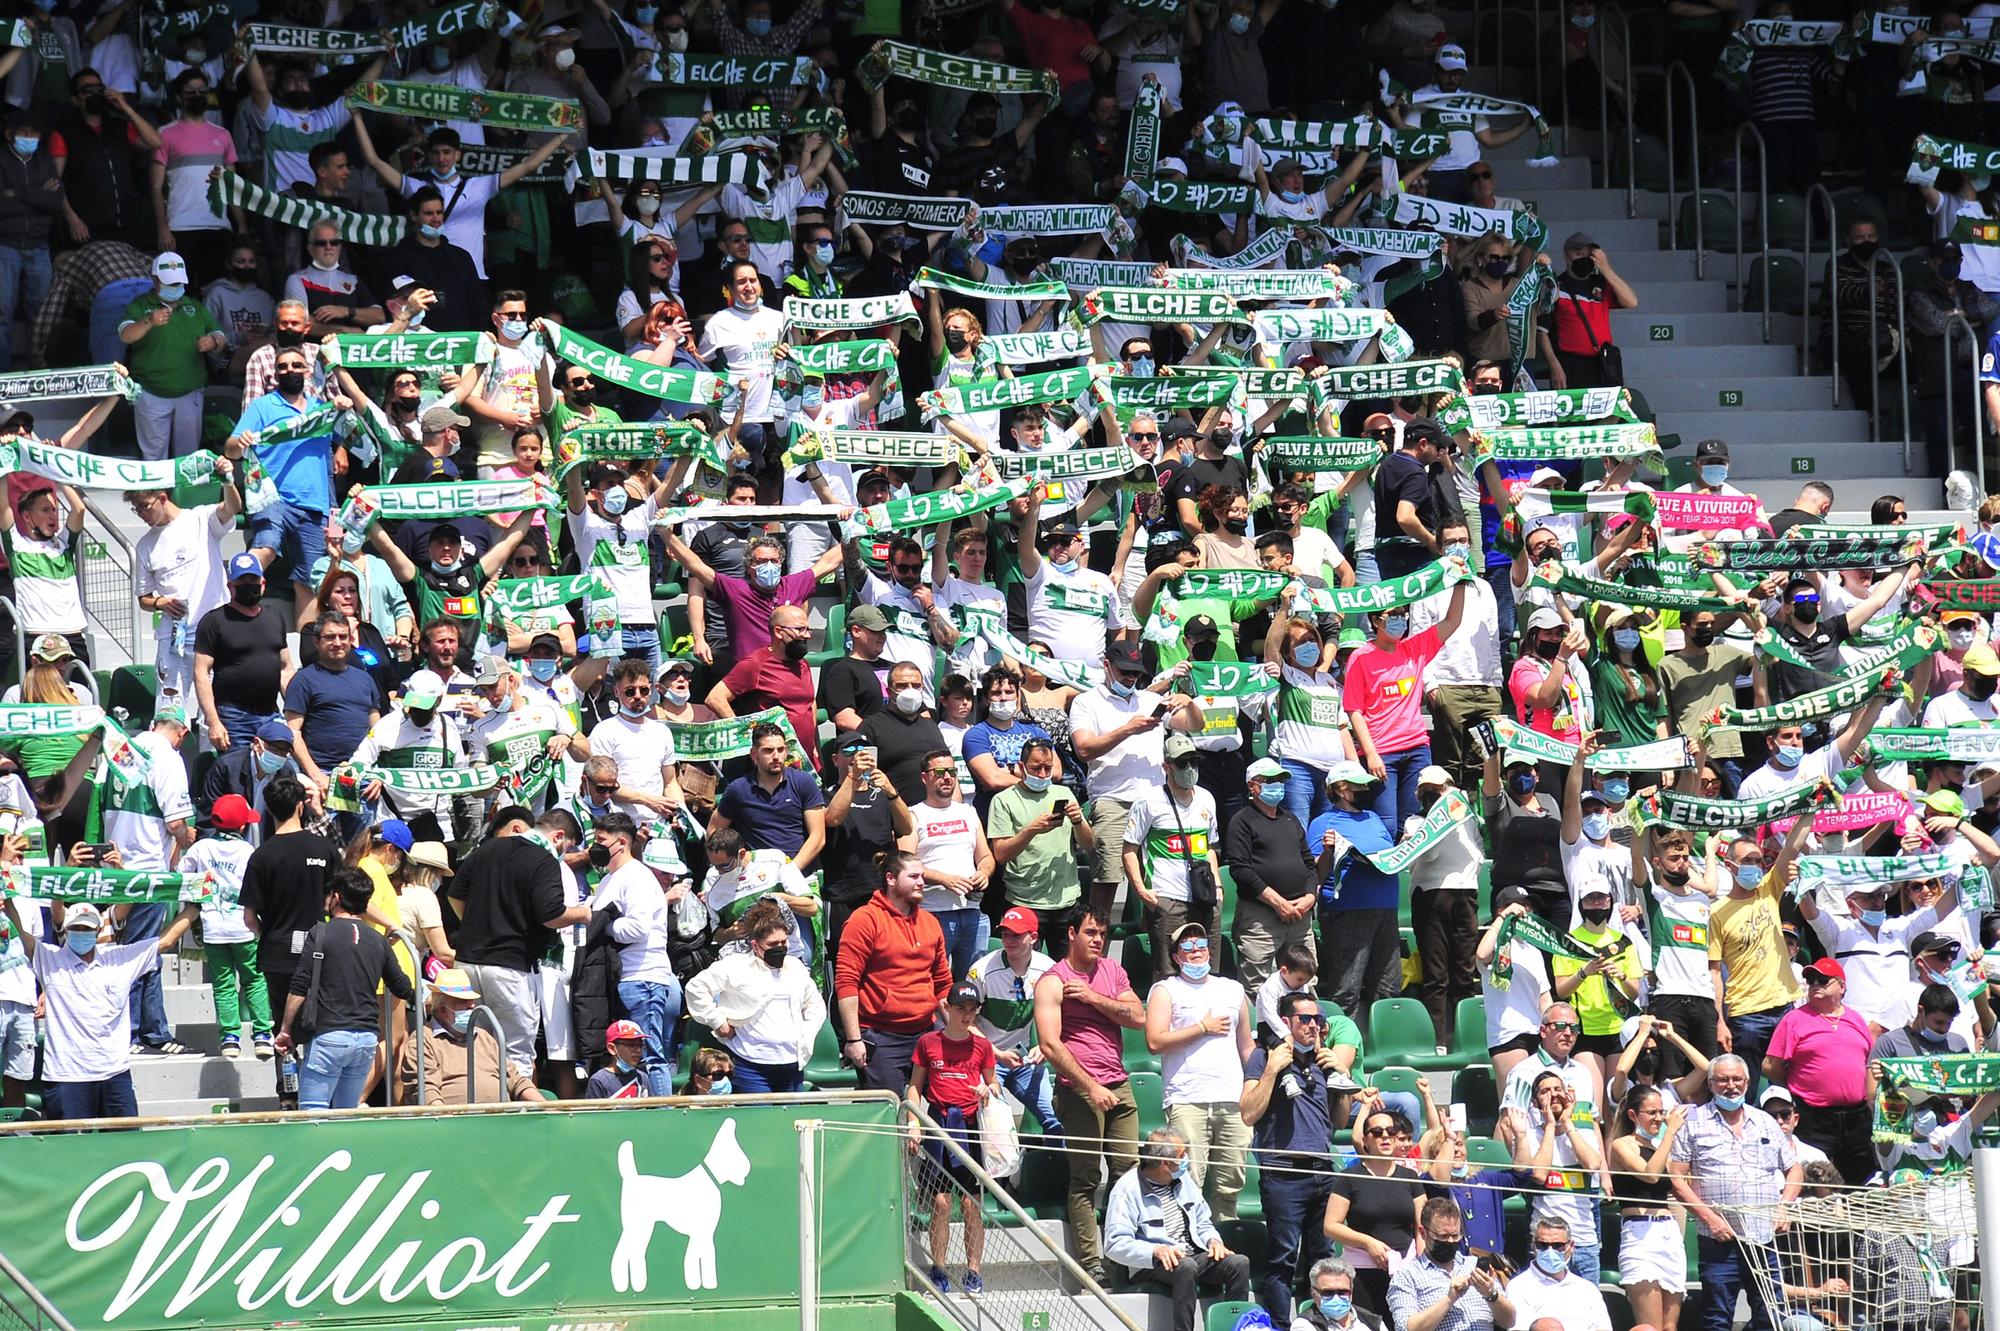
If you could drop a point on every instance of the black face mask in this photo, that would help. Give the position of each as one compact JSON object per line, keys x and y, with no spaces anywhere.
{"x":1596,"y":916}
{"x":291,"y":385}
{"x":795,"y":649}
{"x":908,"y":118}
{"x":1203,"y":650}
{"x":1702,"y":637}
{"x":1544,"y":555}
{"x":1441,"y":1253}
{"x":1674,"y":878}
{"x":1236,"y":526}
{"x":298,"y":100}
{"x":1948,"y":269}
{"x":1499,"y":266}
{"x":1581,"y":268}
{"x":195,"y":104}
{"x":93,"y":103}
{"x":420,"y":717}
{"x":1979,"y":687}
{"x":982,"y":127}
{"x":407,"y":404}
{"x":600,"y":855}
{"x":954,"y":338}
{"x":248,"y":274}
{"x":1808,"y":613}
{"x":246,"y":594}
{"x":1865,"y":250}
{"x":774,"y":957}
{"x":1546,"y":648}
{"x":288,"y":337}
{"x":583,"y":397}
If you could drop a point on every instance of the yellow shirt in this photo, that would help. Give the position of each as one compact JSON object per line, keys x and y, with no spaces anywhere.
{"x":1592,"y":999}
{"x":383,"y":902}
{"x":1747,"y":937}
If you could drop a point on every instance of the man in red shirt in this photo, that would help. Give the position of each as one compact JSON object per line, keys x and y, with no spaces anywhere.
{"x":775,"y":675}
{"x":1057,"y":40}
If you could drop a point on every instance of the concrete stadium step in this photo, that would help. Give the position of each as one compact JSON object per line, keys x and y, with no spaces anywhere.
{"x":1548,"y":202}
{"x":161,"y":1079}
{"x":1779,"y":428}
{"x":1631,"y":327}
{"x":1839,"y":463}
{"x":1618,"y":234}
{"x":1646,"y":362}
{"x":1687,"y":297}
{"x":1747,"y":394}
{"x":1649,"y":264}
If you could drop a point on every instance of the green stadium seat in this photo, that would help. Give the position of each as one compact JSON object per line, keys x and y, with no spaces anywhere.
{"x":673,"y":626}
{"x":1397,"y":1079}
{"x":1223,"y":1314}
{"x":1138,"y":962}
{"x":1721,"y":229}
{"x":1138,"y":1058}
{"x":1228,"y":907}
{"x":834,"y":644}
{"x":1786,"y":277}
{"x":1615,"y":1302}
{"x":1150,"y":1092}
{"x":1486,"y":1153}
{"x":136,"y":688}
{"x":1247,"y":1237}
{"x":1475,"y":1088}
{"x":824,"y":1068}
{"x":1468,"y":1036}
{"x":1787,"y":214}
{"x":1250,"y":1202}
{"x":1400,"y":1031}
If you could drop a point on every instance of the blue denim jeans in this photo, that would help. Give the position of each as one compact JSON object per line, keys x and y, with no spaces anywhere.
{"x":1305,"y":791}
{"x":1722,"y":1279}
{"x":1396,"y":798}
{"x":335,"y":1069}
{"x":1749,"y":1036}
{"x":1294,"y":1221}
{"x":1034,"y":1085}
{"x":765,"y":1078}
{"x":1501,"y":580}
{"x":24,"y":286}
{"x":961,"y":937}
{"x":1584,"y":1260}
{"x":296,"y":537}
{"x":642,"y":644}
{"x":240,"y":722}
{"x":111,"y":1098}
{"x":147,"y":1006}
{"x":656,"y":1009}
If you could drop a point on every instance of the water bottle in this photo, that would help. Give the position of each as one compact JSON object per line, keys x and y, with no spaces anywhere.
{"x":180,"y":635}
{"x":355,"y":516}
{"x":288,"y":1076}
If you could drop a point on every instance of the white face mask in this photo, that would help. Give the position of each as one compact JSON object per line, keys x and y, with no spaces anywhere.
{"x":565,"y":58}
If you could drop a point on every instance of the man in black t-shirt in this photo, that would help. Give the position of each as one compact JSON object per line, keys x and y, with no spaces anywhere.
{"x":241,"y":661}
{"x":512,"y":890}
{"x":980,"y":166}
{"x":285,"y":885}
{"x":861,"y":818}
{"x":330,"y":1012}
{"x":897,"y":161}
{"x":850,"y":687}
{"x":1212,"y":465}
{"x":1407,"y":515}
{"x":1818,"y":639}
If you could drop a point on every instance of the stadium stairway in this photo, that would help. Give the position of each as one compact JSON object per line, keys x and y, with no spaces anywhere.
{"x":203,"y":1082}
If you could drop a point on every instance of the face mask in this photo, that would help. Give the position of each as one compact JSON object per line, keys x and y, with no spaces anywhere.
{"x":795,"y":649}
{"x":1334,"y":1307}
{"x":565,"y":58}
{"x":442,"y":569}
{"x":430,"y":232}
{"x":984,"y":126}
{"x":26,"y":146}
{"x":1306,"y":654}
{"x":1292,"y":195}
{"x":954,"y":338}
{"x":543,"y":670}
{"x":245,"y":275}
{"x":647,"y":204}
{"x":1714,"y":473}
{"x":291,"y":385}
{"x":584,"y":397}
{"x":1616,"y":789}
{"x":444,"y":172}
{"x":615,"y":501}
{"x":1865,"y":250}
{"x":1674,"y":877}
{"x":676,"y":697}
{"x":1064,"y":566}
{"x":1873,"y":918}
{"x":1788,"y":755}
{"x":1625,"y":640}
{"x":1395,"y":626}
{"x":757,"y":27}
{"x":766,"y":576}
{"x":1596,"y":916}
{"x":1184,"y":777}
{"x":514,"y":329}
{"x":822,"y":254}
{"x":677,"y":41}
{"x":1004,"y":709}
{"x":774,"y":957}
{"x":1581,"y":268}
{"x":1120,"y":689}
{"x":1181,"y":1168}
{"x":420,"y":717}
{"x":270,"y":764}
{"x":1194,"y":970}
{"x":1521,"y":784}
{"x":287,"y":337}
{"x":1929,"y":1036}
{"x":644,"y":15}
{"x":600,"y":855}
{"x":909,"y":701}
{"x":1979,"y":687}
{"x":1236,"y":526}
{"x":1960,"y":639}
{"x":195,"y":104}
{"x":1728,"y":1104}
{"x":1583,"y":21}
{"x":246,"y":596}
{"x":1499,"y":267}
{"x":1644,"y":1135}
{"x":1546,"y":648}
{"x":1596,"y":826}
{"x":1271,"y":795}
{"x":1948,"y":269}
{"x":1923,"y":1124}
{"x":1552,"y":1261}
{"x":170,"y":292}
{"x":622,"y":1065}
{"x":439,"y":58}
{"x":461,"y":1022}
{"x":1442,"y":1253}
{"x":81,"y":941}
{"x":1036,"y":785}
{"x":1747,"y":875}
{"x":1702,"y":637}
{"x":813,"y":398}
{"x":1142,"y":367}
{"x":1459,"y":550}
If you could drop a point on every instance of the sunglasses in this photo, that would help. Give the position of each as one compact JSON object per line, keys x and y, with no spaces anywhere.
{"x":603,"y":792}
{"x":1143,"y":434}
{"x":1548,"y":1245}
{"x":1192,"y":945}
{"x":1809,"y":598}
{"x":1479,"y":175}
{"x":1378,"y":1132}
{"x":941,"y":771}
{"x":1309,"y":1018}
{"x":580,"y":381}
{"x":1383,"y":432}
{"x":325,"y":244}
{"x":635,"y":691}
{"x":523,"y":561}
{"x":1185,"y":764}
{"x":1560,"y":1026}
{"x":1334,"y":1293}
{"x":1782,"y":1112}
{"x":1814,"y":979}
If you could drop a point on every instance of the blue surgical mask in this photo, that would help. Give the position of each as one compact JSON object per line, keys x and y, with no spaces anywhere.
{"x":446,"y":570}
{"x":1873,"y":918}
{"x":1334,"y":1307}
{"x":1064,"y":566}
{"x":1194,"y":970}
{"x":812,"y":397}
{"x":433,"y":233}
{"x":444,"y":172}
{"x":269,"y":763}
{"x":644,"y":15}
{"x":1239,"y":24}
{"x":1728,"y":1104}
{"x":1142,"y":367}
{"x":173,"y":292}
{"x":1788,"y":755}
{"x":1181,"y":1165}
{"x":1749,"y":875}
{"x":768,"y":575}
{"x":1037,"y":784}
{"x":1306,"y":654}
{"x":439,"y":58}
{"x":615,"y":500}
{"x":1292,"y":195}
{"x":514,"y":328}
{"x":542,"y":669}
{"x":1458,"y":550}
{"x":1616,"y":789}
{"x":26,"y":145}
{"x":461,"y":1022}
{"x":1552,"y":1261}
{"x":1923,"y":1124}
{"x":1120,"y":689}
{"x":81,"y":941}
{"x":1713,"y":473}
{"x":621,"y":1065}
{"x":1521,"y":784}
{"x":757,"y":27}
{"x":822,"y":254}
{"x":1271,"y":794}
{"x":1625,"y":640}
{"x":1597,"y":826}
{"x":1395,"y":626}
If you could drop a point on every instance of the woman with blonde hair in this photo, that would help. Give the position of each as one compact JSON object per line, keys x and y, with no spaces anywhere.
{"x":961,"y":355}
{"x":378,"y":853}
{"x":46,"y":759}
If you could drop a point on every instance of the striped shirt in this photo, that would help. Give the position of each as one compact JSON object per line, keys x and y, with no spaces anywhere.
{"x":1782,"y":84}
{"x":1740,"y":1174}
{"x":1422,"y":1283}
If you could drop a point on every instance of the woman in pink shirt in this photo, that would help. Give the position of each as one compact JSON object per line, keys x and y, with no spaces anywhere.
{"x":1383,"y":693}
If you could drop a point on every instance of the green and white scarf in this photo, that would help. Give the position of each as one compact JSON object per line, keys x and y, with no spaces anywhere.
{"x":1229,"y":679}
{"x":746,"y":170}
{"x":1426,"y":582}
{"x":1260,"y":381}
{"x":520,"y":596}
{"x":720,"y":740}
{"x":1733,"y":68}
{"x":1072,"y":464}
{"x":1385,"y":241}
{"x":1444,"y":818}
{"x":1243,"y":284}
{"x":873,"y":448}
{"x":1500,"y":735}
{"x":1571,"y":443}
{"x":1410,"y":378}
{"x":627,"y":440}
{"x":18,"y":720}
{"x":445,"y":101}
{"x":728,"y":71}
{"x":928,"y":510}
{"x":1229,"y":583}
{"x":914,"y":211}
{"x":1268,"y":248}
{"x":1532,"y":296}
{"x":1165,"y":394}
{"x":1020,"y":391}
{"x":1671,"y":806}
{"x":1040,"y":348}
{"x":1788,"y":552}
{"x":180,"y":23}
{"x":90,"y":471}
{"x":1311,"y":452}
{"x":314,"y":41}
{"x":1851,"y":871}
{"x":867,"y":355}
{"x":1322,"y":323}
{"x":475,"y":779}
{"x":1957,"y":744}
{"x":1089,"y":274}
{"x":1569,"y":579}
{"x":853,"y":312}
{"x":1533,"y":930}
{"x":1047,"y":219}
{"x":229,"y":190}
{"x":123,"y":887}
{"x":460,"y":499}
{"x":1456,"y":109}
{"x":1201,"y":196}
{"x":1331,"y":136}
{"x":1155,"y":305}
{"x":1076,"y":674}
{"x":1835,"y":698}
{"x":893,"y":59}
{"x":323,"y":420}
{"x":395,"y":351}
{"x":19,"y":389}
{"x":1550,"y":406}
{"x":1930,"y":155}
{"x":765,"y":122}
{"x":1934,"y":534}
{"x":1534,"y":503}
{"x":1142,"y":133}
{"x":700,"y":388}
{"x":438,"y":25}
{"x":1462,"y":219}
{"x":483,"y":160}
{"x":930,"y":279}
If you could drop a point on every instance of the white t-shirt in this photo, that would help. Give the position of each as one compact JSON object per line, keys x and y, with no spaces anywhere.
{"x":1314,"y":552}
{"x":641,"y":749}
{"x":947,"y":842}
{"x":619,"y":552}
{"x":1766,"y":781}
{"x":1171,"y":836}
{"x":87,"y":1004}
{"x":1463,"y":148}
{"x":1133,"y":766}
{"x":771,"y":216}
{"x":136,"y":814}
{"x":1680,"y":951}
{"x":509,"y":384}
{"x":1007,"y":1013}
{"x":745,"y":339}
{"x":1205,"y":1071}
{"x":1955,"y":709}
{"x":183,"y":561}
{"x":971,"y":605}
{"x":1571,"y":1301}
{"x":1471,"y":655}
{"x":1516,"y":1010}
{"x":1071,"y":612}
{"x":641,"y":928}
{"x":222,"y":914}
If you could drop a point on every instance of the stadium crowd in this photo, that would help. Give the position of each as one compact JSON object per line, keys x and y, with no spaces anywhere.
{"x":1087,"y":558}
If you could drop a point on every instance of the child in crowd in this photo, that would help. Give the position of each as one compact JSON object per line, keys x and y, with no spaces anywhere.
{"x":231,"y":948}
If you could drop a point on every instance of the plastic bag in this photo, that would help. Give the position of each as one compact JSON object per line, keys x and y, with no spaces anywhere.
{"x":999,"y":1142}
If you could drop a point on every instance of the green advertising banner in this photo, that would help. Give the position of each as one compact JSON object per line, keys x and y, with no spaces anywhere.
{"x":598,"y":1211}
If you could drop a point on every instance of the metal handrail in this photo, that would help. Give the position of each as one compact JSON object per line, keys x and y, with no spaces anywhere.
{"x":46,"y":1316}
{"x":20,"y":638}
{"x":1832,"y":290}
{"x":1694,"y":167}
{"x":1902,"y":356}
{"x":1763,"y":215}
{"x":1952,"y":325}
{"x":408,"y":939}
{"x":1624,"y":24}
{"x":111,"y":533}
{"x":483,"y":1016}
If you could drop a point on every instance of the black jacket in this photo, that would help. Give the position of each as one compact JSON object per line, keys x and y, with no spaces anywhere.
{"x":234,"y":773}
{"x":447,"y":270}
{"x":102,"y":176}
{"x":28,"y":208}
{"x":593,"y":982}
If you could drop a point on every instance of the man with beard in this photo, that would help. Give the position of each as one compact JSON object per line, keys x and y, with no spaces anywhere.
{"x":775,"y":675}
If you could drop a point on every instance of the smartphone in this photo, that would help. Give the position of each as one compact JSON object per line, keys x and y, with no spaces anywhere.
{"x":866,"y":755}
{"x":1060,"y":808}
{"x":100,"y":850}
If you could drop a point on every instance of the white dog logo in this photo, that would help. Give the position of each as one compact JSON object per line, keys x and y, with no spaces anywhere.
{"x":690,"y":1204}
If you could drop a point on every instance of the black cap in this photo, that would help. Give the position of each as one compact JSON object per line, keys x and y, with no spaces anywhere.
{"x":1123,"y":656}
{"x":1931,"y":941}
{"x":965,"y":992}
{"x":1201,"y":626}
{"x":1061,"y":527}
{"x":1512,"y":894}
{"x":446,"y":529}
{"x":545,"y":640}
{"x":1426,"y":429}
{"x":1712,"y":448}
{"x":1179,"y":427}
{"x":1946,"y":249}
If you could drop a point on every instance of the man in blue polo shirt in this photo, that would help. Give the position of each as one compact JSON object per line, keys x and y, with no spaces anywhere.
{"x":291,"y":531}
{"x":777,"y":806}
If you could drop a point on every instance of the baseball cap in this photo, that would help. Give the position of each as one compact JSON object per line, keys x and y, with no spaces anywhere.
{"x":1062,"y":527}
{"x":1201,"y":626}
{"x":1267,"y":769}
{"x":964,"y":992}
{"x":1020,"y":920}
{"x":446,"y":531}
{"x":1981,"y":658}
{"x":1173,"y":164}
{"x":1960,"y":617}
{"x":455,"y":983}
{"x":545,"y":640}
{"x":1189,"y":930}
{"x":1286,"y":165}
{"x":676,"y":666}
{"x":1930,"y":940}
{"x":486,"y":670}
{"x":1775,"y":1093}
{"x":439,"y":418}
{"x":1544,"y":617}
{"x":83,"y":917}
{"x":1433,"y":776}
{"x":1179,"y":428}
{"x":1828,"y":967}
{"x":1123,"y":656}
{"x":170,"y":268}
{"x":1180,"y":746}
{"x":1712,"y":448}
{"x":423,"y":689}
{"x":1580,"y":240}
{"x":397,"y":833}
{"x":233,"y":813}
{"x":868,"y":617}
{"x":275,"y":732}
{"x":619,"y":1032}
{"x":1451,"y":56}
{"x":1947,"y":802}
{"x":245,"y":565}
{"x":1351,"y":772}
{"x":558,"y":32}
{"x":1540,"y":474}
{"x":173,"y":713}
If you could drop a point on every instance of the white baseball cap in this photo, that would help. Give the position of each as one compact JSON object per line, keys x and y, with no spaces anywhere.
{"x":1451,"y":56}
{"x":423,"y":689}
{"x":170,"y":268}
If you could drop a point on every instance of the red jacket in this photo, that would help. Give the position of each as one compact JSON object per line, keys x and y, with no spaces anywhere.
{"x":895,"y":964}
